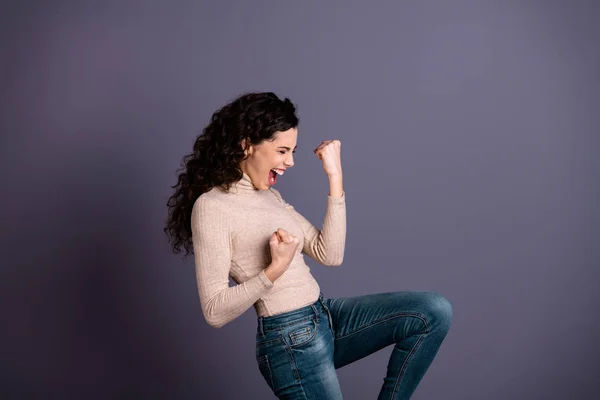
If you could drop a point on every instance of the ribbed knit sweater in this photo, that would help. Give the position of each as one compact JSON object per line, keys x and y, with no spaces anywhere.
{"x":231,"y":232}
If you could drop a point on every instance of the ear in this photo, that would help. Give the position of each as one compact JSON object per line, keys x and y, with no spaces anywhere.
{"x":248,"y":148}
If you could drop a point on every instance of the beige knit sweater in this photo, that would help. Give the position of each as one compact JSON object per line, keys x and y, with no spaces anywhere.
{"x":231,"y":233}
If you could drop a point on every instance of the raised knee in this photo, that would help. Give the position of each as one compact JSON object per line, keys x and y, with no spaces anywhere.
{"x":439,"y":311}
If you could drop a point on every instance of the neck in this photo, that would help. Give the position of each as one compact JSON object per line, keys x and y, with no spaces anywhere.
{"x":245,"y":185}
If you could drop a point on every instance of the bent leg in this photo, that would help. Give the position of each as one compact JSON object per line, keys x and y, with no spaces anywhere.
{"x":416,"y":322}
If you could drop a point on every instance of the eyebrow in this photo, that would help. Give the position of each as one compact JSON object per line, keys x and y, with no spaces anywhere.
{"x":287,"y":148}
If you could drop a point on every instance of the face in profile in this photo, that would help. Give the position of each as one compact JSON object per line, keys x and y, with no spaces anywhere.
{"x":267,"y":161}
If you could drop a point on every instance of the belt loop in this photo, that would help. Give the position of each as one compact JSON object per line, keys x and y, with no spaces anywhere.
{"x":261,"y":327}
{"x":322,"y":301}
{"x":316,"y":312}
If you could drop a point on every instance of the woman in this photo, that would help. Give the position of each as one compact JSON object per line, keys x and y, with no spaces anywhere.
{"x":226,"y":211}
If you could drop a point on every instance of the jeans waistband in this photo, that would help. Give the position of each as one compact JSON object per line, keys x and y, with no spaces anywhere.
{"x":268,"y":323}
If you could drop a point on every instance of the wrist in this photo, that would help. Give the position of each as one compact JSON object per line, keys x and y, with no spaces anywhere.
{"x":269,"y":274}
{"x":275,"y":265}
{"x":272,"y":271}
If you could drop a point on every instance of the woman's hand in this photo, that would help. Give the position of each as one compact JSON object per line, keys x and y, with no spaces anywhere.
{"x":283,"y":249}
{"x":329,"y":152}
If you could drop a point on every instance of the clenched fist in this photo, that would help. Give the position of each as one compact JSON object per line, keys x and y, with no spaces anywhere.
{"x":283,"y":246}
{"x":329,"y":151}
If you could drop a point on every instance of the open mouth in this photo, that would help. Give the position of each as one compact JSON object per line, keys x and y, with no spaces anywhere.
{"x":273,"y":175}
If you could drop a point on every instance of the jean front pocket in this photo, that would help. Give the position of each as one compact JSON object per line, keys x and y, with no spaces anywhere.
{"x":300,"y":334}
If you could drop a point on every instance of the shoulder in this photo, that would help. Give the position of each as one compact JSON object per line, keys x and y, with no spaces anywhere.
{"x":209,"y":203}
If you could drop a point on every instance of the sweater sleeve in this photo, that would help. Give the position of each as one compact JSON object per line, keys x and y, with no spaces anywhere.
{"x":211,"y":238}
{"x":326,"y":246}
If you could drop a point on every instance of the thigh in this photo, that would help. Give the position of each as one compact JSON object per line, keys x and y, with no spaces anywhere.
{"x":297,"y":361}
{"x":365,"y":324}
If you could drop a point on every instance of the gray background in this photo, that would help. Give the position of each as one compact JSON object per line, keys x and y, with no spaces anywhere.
{"x":470,"y":139}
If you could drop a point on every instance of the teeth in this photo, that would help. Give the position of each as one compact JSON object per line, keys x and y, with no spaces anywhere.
{"x":278,"y":171}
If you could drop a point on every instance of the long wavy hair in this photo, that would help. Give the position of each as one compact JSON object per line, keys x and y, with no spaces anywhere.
{"x":217,"y":153}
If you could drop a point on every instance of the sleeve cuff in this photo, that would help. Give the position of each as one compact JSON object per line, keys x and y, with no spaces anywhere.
{"x":266,"y":281}
{"x":340,"y":199}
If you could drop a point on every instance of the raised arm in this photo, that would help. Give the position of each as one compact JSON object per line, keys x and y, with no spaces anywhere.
{"x":212,"y":254}
{"x":326,"y":246}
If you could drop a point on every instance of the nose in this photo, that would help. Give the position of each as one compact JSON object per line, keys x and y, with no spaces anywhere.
{"x":289,"y":162}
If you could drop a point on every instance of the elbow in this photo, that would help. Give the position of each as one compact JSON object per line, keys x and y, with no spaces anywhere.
{"x":212,"y":317}
{"x":214,"y":321}
{"x":334,"y":261}
{"x":338,"y":259}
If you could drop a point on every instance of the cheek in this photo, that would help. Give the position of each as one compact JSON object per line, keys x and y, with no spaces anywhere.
{"x":275,"y":160}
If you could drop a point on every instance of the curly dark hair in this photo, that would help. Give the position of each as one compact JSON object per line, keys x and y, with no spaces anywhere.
{"x":217,"y":153}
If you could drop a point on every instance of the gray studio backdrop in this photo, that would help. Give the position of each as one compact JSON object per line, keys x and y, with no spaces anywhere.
{"x":470,"y":141}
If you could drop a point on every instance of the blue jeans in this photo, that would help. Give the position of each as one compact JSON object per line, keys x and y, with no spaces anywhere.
{"x":298,"y":351}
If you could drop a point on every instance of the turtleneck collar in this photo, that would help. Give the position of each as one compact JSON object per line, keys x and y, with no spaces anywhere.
{"x":245,"y":185}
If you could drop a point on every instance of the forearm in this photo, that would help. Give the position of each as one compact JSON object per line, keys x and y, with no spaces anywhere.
{"x":229,"y":303}
{"x":327,"y":245}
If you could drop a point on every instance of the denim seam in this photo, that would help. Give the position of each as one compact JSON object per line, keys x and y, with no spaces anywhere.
{"x":268,"y":366}
{"x":402,"y":314}
{"x":292,"y":362}
{"x":405,"y":365}
{"x":295,"y":370}
{"x":297,"y":373}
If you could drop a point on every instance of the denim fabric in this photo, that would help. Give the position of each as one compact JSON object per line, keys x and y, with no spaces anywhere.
{"x":298,"y":351}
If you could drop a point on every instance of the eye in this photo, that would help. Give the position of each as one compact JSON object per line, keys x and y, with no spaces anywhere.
{"x":283,"y":151}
